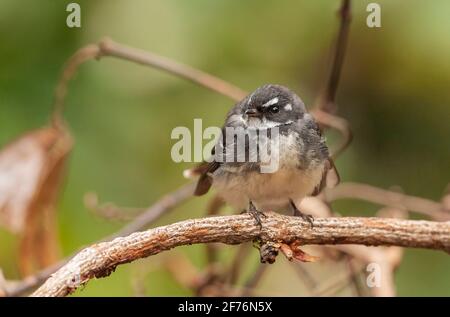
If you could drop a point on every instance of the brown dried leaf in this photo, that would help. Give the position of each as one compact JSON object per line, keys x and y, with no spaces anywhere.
{"x":30,"y":174}
{"x":304,"y":257}
{"x":293,"y":251}
{"x":21,"y":164}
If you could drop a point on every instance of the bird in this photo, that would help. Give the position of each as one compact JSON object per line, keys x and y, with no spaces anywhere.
{"x":304,"y":163}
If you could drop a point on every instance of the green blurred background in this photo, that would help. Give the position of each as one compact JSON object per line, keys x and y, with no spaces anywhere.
{"x":394,"y":91}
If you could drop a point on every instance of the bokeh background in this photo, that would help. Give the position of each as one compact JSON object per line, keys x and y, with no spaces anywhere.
{"x":394,"y":91}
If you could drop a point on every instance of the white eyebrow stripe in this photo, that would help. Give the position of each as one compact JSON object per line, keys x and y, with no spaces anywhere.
{"x":270,"y":102}
{"x":288,"y":107}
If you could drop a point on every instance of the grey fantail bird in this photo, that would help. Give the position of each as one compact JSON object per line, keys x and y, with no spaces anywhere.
{"x":304,"y":164}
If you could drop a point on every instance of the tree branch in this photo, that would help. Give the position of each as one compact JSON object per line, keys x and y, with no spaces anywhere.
{"x":161,"y":207}
{"x":101,"y":259}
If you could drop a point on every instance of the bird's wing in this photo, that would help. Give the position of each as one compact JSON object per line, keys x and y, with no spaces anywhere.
{"x":205,"y":169}
{"x":205,"y":181}
{"x":330,"y":177}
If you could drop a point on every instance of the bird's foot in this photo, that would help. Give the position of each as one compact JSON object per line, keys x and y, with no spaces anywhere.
{"x":298,"y":213}
{"x":256,"y":214}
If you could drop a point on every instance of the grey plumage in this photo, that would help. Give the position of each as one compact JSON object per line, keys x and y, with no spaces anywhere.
{"x":304,"y":163}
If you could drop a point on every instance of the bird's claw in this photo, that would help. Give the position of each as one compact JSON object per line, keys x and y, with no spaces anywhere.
{"x":298,"y":213}
{"x":256,"y":214}
{"x":309,"y":219}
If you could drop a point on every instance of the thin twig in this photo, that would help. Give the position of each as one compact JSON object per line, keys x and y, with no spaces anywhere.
{"x":166,"y":203}
{"x":254,"y":280}
{"x":111,"y":48}
{"x":326,"y":101}
{"x":107,"y":47}
{"x":336,"y":283}
{"x":108,"y":210}
{"x":385,"y":197}
{"x":354,"y":276}
{"x":213,"y":208}
{"x":18,"y":288}
{"x":236,"y":265}
{"x":304,"y":275}
{"x":73,"y":63}
{"x":183,"y":271}
{"x":101,"y":259}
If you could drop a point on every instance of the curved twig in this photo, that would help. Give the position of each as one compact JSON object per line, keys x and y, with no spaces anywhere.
{"x":326,"y":101}
{"x":108,"y":47}
{"x":386,"y":197}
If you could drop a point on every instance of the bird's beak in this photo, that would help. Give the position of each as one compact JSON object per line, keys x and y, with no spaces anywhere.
{"x":252,"y":113}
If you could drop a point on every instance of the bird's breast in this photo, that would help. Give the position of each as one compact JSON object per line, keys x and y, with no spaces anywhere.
{"x":239,"y":183}
{"x":268,"y":191}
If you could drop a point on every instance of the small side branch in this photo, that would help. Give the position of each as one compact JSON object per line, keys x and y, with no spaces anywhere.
{"x":101,"y":259}
{"x":349,"y":190}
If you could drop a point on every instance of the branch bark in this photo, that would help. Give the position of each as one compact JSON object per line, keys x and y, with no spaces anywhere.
{"x":101,"y":259}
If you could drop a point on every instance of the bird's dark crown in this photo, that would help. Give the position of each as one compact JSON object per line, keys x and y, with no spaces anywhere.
{"x":275,"y":103}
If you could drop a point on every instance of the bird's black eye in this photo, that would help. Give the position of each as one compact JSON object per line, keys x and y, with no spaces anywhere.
{"x":274,"y":109}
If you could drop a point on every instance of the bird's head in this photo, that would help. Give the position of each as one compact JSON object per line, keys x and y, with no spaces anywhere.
{"x":271,"y":106}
